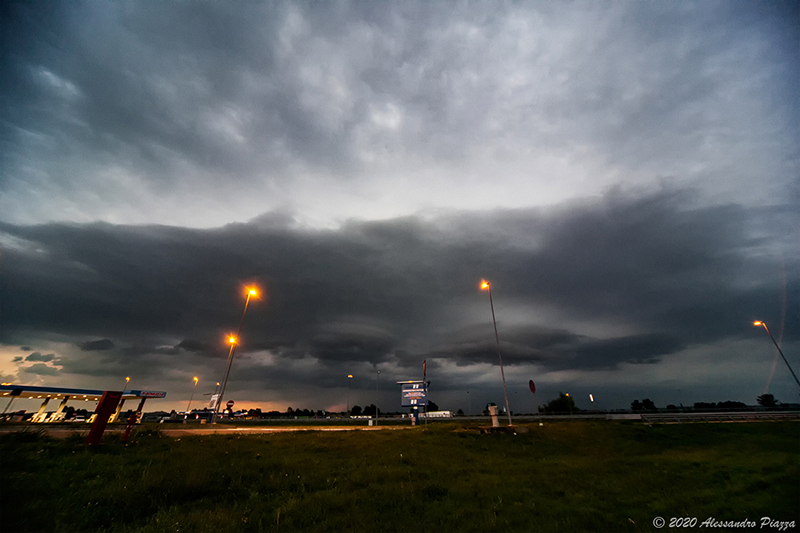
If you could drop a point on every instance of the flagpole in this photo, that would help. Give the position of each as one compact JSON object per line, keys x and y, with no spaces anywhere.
{"x":425,"y":387}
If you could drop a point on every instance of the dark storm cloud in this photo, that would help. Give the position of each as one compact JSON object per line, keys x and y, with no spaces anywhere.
{"x":36,"y":356}
{"x":41,"y":369}
{"x":191,"y":345}
{"x":97,"y":346}
{"x":555,"y":349}
{"x":402,"y":290}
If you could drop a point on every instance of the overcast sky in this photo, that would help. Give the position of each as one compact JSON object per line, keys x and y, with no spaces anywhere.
{"x":626,"y":174}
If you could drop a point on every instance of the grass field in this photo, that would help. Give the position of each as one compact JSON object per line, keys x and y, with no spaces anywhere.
{"x":565,"y":476}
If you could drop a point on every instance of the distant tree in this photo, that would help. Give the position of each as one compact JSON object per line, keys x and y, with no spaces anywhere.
{"x":731,"y":405}
{"x":432,"y":406}
{"x":355,"y":411}
{"x":562,"y":404}
{"x":289,"y":411}
{"x":459,"y":413}
{"x":644,"y":405}
{"x":672,"y":407}
{"x":767,"y":400}
{"x":369,"y":410}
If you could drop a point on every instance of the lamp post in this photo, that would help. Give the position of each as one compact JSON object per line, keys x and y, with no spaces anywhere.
{"x":761,"y":323}
{"x":349,"y":380}
{"x":190,"y":399}
{"x":377,"y":375}
{"x":251,"y":292}
{"x":486,"y":286}
{"x":127,"y":379}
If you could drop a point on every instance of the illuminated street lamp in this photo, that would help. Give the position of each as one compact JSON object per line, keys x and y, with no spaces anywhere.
{"x":190,"y":399}
{"x":252,"y":292}
{"x":376,"y":396}
{"x":486,"y":286}
{"x":127,"y":379}
{"x":760,"y":323}
{"x":349,"y":381}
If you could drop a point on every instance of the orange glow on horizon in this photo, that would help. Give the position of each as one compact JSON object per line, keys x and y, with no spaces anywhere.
{"x":484,"y":285}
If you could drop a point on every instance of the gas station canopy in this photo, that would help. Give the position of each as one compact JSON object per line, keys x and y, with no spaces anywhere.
{"x":32,"y":391}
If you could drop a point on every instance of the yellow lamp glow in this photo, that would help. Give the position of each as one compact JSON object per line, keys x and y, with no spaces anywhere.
{"x":484,"y":285}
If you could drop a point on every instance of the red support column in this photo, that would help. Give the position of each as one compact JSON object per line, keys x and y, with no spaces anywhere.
{"x":105,"y":408}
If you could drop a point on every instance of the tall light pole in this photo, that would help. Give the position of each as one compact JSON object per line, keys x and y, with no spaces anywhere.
{"x":486,"y":286}
{"x":761,"y":323}
{"x":349,"y":380}
{"x":190,"y":399}
{"x":251,"y":292}
{"x":127,"y":379}
{"x":377,"y":375}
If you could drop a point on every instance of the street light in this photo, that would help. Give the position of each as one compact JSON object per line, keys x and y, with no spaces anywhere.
{"x":252,"y":292}
{"x":486,"y":286}
{"x":377,"y":375}
{"x":127,"y":379}
{"x":349,"y":380}
{"x":190,"y":399}
{"x":760,"y":323}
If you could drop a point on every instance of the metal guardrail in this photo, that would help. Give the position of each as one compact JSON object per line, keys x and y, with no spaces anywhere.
{"x":678,"y":418}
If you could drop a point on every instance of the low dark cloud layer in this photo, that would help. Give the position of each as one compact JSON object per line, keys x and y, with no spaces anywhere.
{"x":36,"y":356}
{"x":596,"y":286}
{"x":97,"y":346}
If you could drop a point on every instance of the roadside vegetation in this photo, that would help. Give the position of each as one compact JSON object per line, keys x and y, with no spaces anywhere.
{"x":564,"y":476}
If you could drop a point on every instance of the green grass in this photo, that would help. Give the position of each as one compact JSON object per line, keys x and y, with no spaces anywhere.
{"x":565,"y":476}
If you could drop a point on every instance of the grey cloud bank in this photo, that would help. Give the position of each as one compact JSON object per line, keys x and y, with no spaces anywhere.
{"x":206,"y":113}
{"x":585,"y":288}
